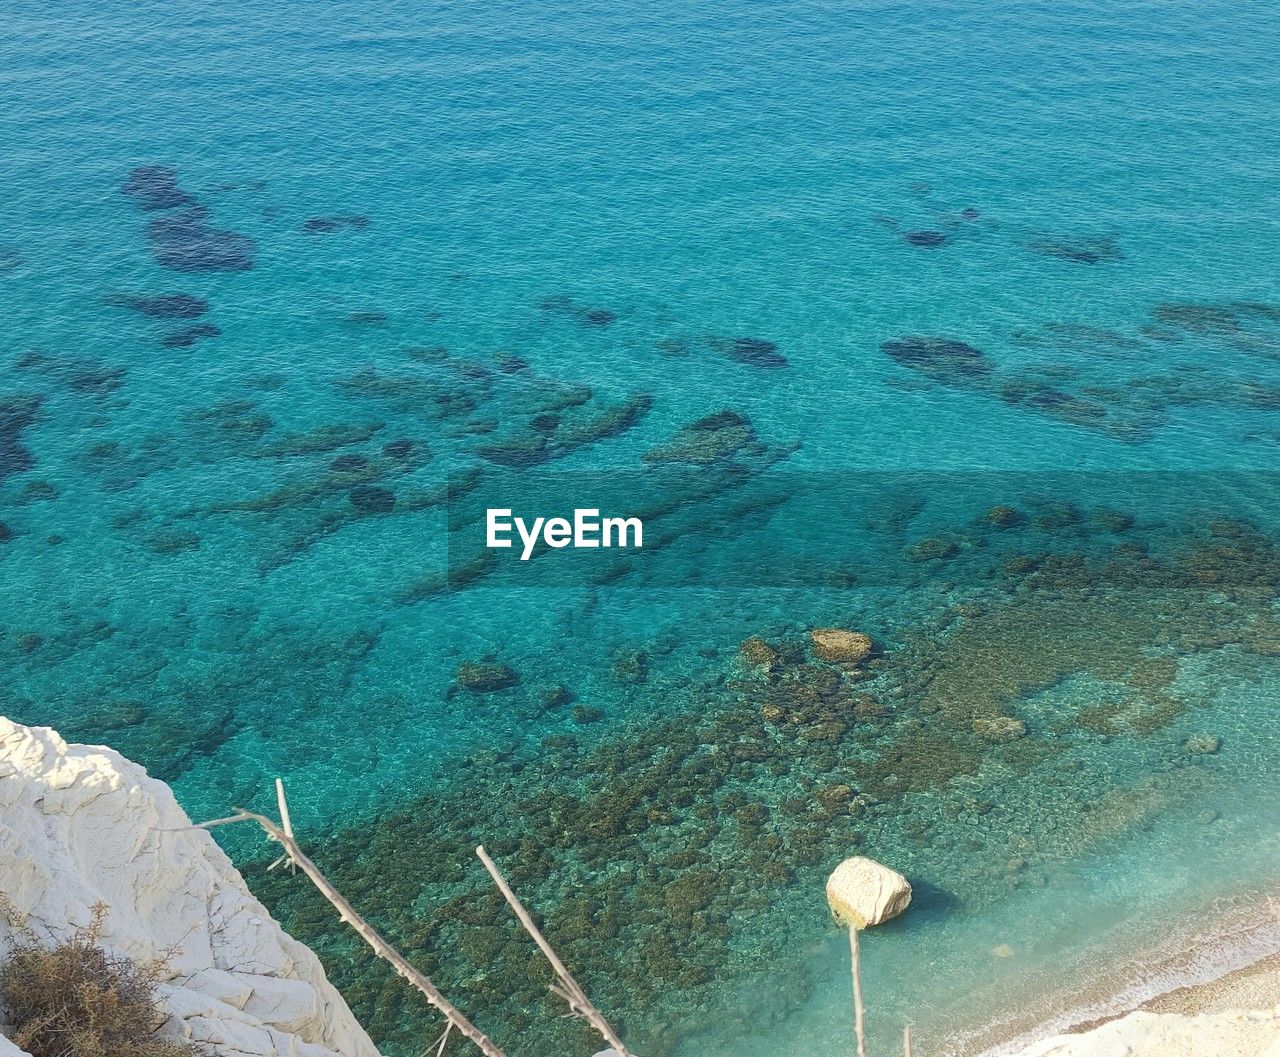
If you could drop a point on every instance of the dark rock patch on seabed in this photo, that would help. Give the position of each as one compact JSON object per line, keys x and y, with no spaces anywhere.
{"x":10,"y":260}
{"x":1098,"y":250}
{"x":370,"y":499}
{"x":185,"y":241}
{"x":754,"y":352}
{"x":944,"y":360}
{"x":161,"y":306}
{"x":183,"y":238}
{"x":710,"y":439}
{"x":155,"y":187}
{"x":585,"y":315}
{"x":79,"y":374}
{"x":925,"y":238}
{"x":16,"y":414}
{"x":188,"y":336}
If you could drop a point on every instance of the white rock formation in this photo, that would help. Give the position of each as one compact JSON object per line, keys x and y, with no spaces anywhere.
{"x":862,"y":892}
{"x":1141,"y":1034}
{"x":80,"y":824}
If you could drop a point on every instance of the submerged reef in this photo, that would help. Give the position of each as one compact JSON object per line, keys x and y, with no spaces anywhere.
{"x":1076,"y":381}
{"x":162,"y":306}
{"x":585,"y":315}
{"x":80,"y":375}
{"x":695,"y":837}
{"x":183,"y":238}
{"x":17,"y":413}
{"x":754,"y":352}
{"x":1078,"y":250}
{"x":943,"y":360}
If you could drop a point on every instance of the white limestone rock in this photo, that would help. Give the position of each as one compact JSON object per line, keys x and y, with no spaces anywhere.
{"x":862,"y":892}
{"x":80,"y":824}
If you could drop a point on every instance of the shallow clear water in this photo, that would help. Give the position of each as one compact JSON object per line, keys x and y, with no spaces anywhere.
{"x":577,"y":195}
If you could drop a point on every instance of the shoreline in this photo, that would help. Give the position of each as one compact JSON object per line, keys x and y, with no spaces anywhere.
{"x":1232,"y":964}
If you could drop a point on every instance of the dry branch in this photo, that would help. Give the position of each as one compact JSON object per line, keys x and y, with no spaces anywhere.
{"x":367,"y":932}
{"x":859,"y":1029}
{"x":569,"y":988}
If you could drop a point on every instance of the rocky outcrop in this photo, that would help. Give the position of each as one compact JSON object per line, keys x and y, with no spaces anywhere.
{"x":81,"y":825}
{"x":1142,"y":1034}
{"x":862,"y":893}
{"x":841,"y":647}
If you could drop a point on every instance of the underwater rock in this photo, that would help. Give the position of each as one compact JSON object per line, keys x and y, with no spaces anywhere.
{"x":925,"y":238}
{"x":188,"y":336}
{"x":36,"y":492}
{"x":944,"y":360}
{"x":155,"y":187}
{"x":1052,"y":401}
{"x":586,"y":315}
{"x":931,"y":549}
{"x":1198,"y":318}
{"x":598,"y":317}
{"x":757,"y":352}
{"x":16,"y":414}
{"x":10,"y":260}
{"x":1003,"y":516}
{"x":754,"y":352}
{"x":237,"y":421}
{"x":186,"y":242}
{"x":328,"y":225}
{"x":838,"y":646}
{"x":368,"y":317}
{"x":535,"y":447}
{"x":401,"y":449}
{"x":999,"y":728}
{"x":348,"y":463}
{"x":6,"y":533}
{"x":757,"y":653}
{"x":861,"y":893}
{"x":1203,"y":744}
{"x":709,"y":439}
{"x":172,"y":541}
{"x":79,"y":374}
{"x":321,"y":439}
{"x":161,"y":306}
{"x":631,"y":668}
{"x":969,"y":213}
{"x":1078,"y":251}
{"x":370,"y":499}
{"x":482,"y":677}
{"x":510,"y":363}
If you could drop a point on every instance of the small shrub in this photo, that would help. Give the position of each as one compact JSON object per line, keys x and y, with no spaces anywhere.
{"x":78,"y":1000}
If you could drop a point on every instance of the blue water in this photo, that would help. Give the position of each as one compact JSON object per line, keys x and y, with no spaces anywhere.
{"x":613,"y":197}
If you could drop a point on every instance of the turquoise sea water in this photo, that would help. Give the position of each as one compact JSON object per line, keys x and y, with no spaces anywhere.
{"x":452,"y":242}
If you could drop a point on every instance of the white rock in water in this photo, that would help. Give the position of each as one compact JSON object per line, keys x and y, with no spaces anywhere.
{"x":863,"y":893}
{"x":81,"y":824}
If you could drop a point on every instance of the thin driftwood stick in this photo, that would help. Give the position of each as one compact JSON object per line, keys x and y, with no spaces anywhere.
{"x":906,"y":1040}
{"x":286,"y":824}
{"x":857,"y":992}
{"x":570,"y":990}
{"x":367,"y":932}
